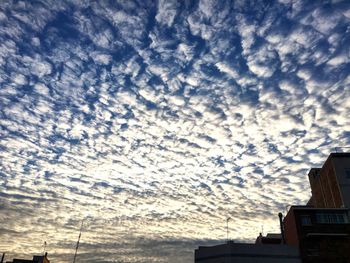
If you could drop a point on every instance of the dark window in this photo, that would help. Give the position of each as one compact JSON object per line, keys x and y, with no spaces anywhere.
{"x":347,"y":173}
{"x":313,"y":252}
{"x":305,"y":220}
{"x":324,"y":218}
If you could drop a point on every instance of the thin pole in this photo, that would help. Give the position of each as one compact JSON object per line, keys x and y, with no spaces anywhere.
{"x":44,"y":247}
{"x":228,"y":219}
{"x":76,"y":249}
{"x":282,"y":228}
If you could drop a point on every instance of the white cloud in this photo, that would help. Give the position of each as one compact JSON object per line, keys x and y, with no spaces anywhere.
{"x":338,"y":60}
{"x":19,"y":79}
{"x":166,"y":12}
{"x":262,"y":62}
{"x":323,"y":21}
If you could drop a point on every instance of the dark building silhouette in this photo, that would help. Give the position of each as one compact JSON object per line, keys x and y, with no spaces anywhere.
{"x":247,"y":253}
{"x":36,"y":259}
{"x":322,"y":234}
{"x":321,"y":229}
{"x":269,"y":239}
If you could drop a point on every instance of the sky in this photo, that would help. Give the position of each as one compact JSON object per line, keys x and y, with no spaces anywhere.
{"x":155,"y":121}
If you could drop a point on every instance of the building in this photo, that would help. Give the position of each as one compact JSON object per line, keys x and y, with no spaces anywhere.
{"x":330,"y":185}
{"x":247,"y":253}
{"x":322,"y":234}
{"x":269,"y":239}
{"x":321,"y":229}
{"x":36,"y":259}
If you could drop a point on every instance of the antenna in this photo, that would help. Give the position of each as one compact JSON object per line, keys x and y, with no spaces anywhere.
{"x":76,"y":249}
{"x":44,"y":247}
{"x":227,"y":219}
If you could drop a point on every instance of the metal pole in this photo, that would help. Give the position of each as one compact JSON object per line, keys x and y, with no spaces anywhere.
{"x":2,"y":258}
{"x":228,"y":219}
{"x":76,"y":249}
{"x":282,"y":228}
{"x":44,"y":247}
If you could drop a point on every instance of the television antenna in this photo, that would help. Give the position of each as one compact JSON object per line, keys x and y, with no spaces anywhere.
{"x":227,"y":219}
{"x":76,"y":249}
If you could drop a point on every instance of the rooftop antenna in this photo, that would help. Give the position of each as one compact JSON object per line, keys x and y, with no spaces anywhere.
{"x":227,"y":219}
{"x":44,"y":247}
{"x":76,"y":249}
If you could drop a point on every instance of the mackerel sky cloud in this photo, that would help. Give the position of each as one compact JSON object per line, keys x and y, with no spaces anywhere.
{"x":156,"y":120}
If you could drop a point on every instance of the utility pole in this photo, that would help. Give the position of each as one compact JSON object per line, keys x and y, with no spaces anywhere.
{"x":76,"y":249}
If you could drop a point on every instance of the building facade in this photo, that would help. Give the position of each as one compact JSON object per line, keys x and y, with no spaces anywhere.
{"x":322,"y":234}
{"x":330,"y":185}
{"x":247,"y":253}
{"x":321,"y":229}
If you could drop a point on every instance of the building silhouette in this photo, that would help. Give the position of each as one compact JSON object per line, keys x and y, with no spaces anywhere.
{"x":247,"y":253}
{"x":321,"y":229}
{"x":36,"y":259}
{"x":269,"y":239}
{"x":316,"y":232}
{"x":322,"y":234}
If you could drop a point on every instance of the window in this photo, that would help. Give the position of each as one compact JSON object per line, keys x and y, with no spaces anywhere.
{"x":331,"y":218}
{"x":313,"y":252}
{"x":347,"y":173}
{"x":305,"y":220}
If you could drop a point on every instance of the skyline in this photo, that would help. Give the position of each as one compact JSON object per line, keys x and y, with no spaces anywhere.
{"x":155,"y":121}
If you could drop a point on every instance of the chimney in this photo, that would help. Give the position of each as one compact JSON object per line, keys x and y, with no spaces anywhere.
{"x":282,"y":228}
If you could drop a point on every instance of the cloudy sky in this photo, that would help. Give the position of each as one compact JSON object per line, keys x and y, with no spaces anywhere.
{"x":156,"y":120}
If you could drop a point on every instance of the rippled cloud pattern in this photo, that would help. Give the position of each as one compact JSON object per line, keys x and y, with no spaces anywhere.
{"x":156,"y":120}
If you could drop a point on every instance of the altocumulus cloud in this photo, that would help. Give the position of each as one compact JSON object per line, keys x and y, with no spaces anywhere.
{"x":155,"y":120}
